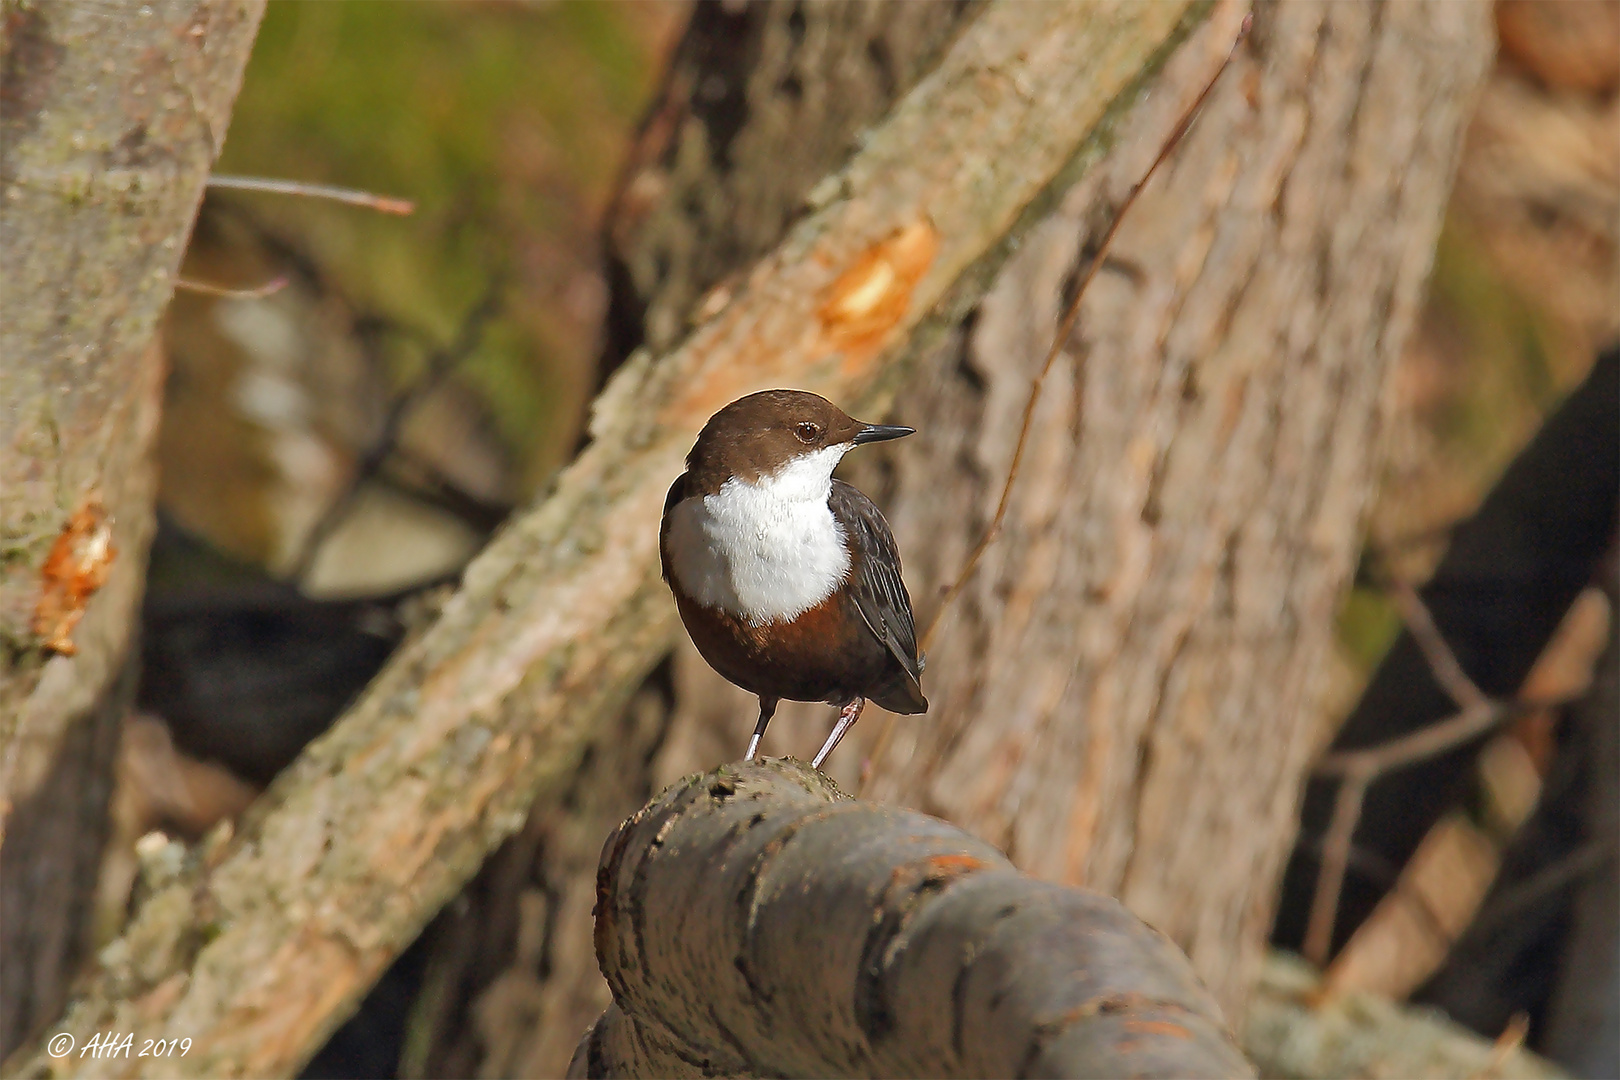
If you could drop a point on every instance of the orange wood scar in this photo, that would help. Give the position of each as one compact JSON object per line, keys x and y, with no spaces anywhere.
{"x":1157,"y":1027}
{"x":939,"y":868}
{"x":955,"y":863}
{"x":76,"y":566}
{"x":874,"y":294}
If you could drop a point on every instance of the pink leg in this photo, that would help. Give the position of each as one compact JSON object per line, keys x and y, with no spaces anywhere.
{"x":846,"y":720}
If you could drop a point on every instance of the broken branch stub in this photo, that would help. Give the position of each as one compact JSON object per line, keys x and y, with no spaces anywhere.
{"x":756,"y":921}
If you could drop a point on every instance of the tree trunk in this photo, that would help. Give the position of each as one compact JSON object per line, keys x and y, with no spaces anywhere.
{"x":756,"y":921}
{"x":383,"y":819}
{"x":1150,"y":629}
{"x":110,"y":120}
{"x":1152,"y":620}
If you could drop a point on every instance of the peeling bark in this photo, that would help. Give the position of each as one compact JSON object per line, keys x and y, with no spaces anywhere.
{"x":259,"y":951}
{"x":110,"y":119}
{"x":755,"y":921}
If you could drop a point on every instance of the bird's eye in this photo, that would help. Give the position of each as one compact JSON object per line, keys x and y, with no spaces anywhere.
{"x":807,"y":432}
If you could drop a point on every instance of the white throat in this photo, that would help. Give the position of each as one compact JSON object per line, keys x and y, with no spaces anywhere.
{"x":767,"y":551}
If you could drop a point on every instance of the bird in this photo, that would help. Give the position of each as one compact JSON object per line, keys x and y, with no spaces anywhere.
{"x":788,"y":580}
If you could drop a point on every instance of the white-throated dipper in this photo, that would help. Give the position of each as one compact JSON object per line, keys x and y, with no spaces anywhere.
{"x":789,"y":580}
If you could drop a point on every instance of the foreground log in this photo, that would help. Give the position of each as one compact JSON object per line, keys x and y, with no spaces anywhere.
{"x":756,"y":921}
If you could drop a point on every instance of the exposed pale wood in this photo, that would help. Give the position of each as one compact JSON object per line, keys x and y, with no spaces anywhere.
{"x":755,"y":921}
{"x":110,"y":118}
{"x":258,"y":955}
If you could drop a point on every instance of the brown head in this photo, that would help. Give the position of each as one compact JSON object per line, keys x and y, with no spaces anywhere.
{"x":755,"y":436}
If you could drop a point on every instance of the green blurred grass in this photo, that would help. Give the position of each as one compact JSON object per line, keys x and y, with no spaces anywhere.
{"x":505,"y":122}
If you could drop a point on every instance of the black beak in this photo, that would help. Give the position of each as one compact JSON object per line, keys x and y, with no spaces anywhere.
{"x":881,"y":433}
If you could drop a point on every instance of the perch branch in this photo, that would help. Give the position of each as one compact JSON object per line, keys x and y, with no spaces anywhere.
{"x":755,"y":921}
{"x":261,"y":950}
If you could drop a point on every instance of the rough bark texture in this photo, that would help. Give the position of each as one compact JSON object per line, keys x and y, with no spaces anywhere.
{"x":512,"y":977}
{"x":110,"y":119}
{"x":755,"y":921}
{"x":259,"y":950}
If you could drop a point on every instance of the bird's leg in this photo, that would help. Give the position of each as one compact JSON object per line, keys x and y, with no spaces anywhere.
{"x":846,"y":720}
{"x":767,"y":709}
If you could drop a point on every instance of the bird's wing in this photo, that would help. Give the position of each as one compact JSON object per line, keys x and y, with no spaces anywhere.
{"x":677,"y":492}
{"x":879,"y":592}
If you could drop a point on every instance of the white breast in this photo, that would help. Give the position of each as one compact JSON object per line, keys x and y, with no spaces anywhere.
{"x":767,"y":551}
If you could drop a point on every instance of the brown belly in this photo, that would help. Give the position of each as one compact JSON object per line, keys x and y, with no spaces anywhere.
{"x":826,"y":654}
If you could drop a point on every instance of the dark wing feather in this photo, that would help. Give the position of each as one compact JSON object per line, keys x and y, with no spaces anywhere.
{"x":677,"y":492}
{"x":880,"y":594}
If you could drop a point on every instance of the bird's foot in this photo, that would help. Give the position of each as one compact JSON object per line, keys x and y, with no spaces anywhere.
{"x":846,"y":720}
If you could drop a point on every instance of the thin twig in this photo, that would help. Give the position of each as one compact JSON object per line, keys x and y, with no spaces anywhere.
{"x":439,"y":365}
{"x":1426,"y":742}
{"x":1065,"y":329}
{"x":1335,"y":858}
{"x":1506,"y":1045}
{"x":1061,"y":338}
{"x":269,"y":288}
{"x":1448,"y":672}
{"x":387,"y":204}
